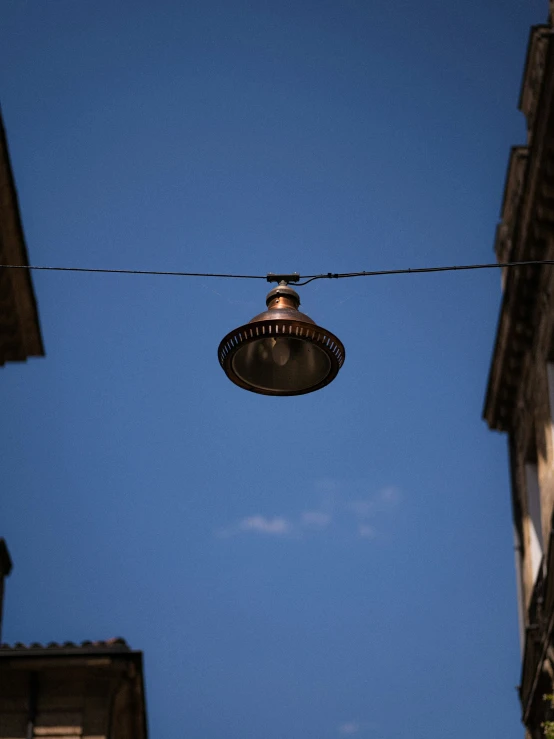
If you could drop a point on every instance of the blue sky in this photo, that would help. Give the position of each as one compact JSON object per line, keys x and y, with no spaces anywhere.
{"x":336,"y":564}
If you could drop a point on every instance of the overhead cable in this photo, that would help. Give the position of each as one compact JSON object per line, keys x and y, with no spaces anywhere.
{"x":421,"y":270}
{"x":130,"y":271}
{"x":270,"y":277}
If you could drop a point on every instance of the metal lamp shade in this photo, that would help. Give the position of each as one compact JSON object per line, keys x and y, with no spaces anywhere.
{"x":281,"y":351}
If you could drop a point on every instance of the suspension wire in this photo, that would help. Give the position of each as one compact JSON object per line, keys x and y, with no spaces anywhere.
{"x":307,"y":278}
{"x":421,"y":270}
{"x":130,"y":271}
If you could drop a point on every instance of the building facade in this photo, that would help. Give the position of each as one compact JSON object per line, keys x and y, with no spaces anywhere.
{"x":520,"y":393}
{"x":92,"y":690}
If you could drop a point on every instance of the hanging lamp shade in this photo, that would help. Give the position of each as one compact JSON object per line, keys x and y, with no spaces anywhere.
{"x":281,"y":351}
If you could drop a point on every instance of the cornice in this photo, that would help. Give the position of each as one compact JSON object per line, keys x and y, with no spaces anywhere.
{"x":511,"y":200}
{"x":533,"y":73}
{"x":526,"y":230}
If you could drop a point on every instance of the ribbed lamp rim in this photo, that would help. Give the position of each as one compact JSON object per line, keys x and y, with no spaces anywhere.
{"x":281,"y":328}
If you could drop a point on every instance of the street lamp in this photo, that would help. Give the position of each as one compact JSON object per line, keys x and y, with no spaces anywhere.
{"x":281,"y":351}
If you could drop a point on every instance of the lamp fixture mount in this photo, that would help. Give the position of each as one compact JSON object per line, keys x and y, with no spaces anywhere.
{"x":294,"y":277}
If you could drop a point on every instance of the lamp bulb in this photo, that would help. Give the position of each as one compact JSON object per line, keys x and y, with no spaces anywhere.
{"x":280,"y":351}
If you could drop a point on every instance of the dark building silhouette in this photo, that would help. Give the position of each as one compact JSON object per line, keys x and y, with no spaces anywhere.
{"x":92,"y":690}
{"x":19,"y":326}
{"x":520,"y":393}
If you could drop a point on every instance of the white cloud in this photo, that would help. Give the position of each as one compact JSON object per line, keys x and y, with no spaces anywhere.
{"x":362,"y":508}
{"x":350,"y":727}
{"x":363,"y":513}
{"x":277,"y":526}
{"x":384,"y":500}
{"x":316,"y":519}
{"x":390,"y":496}
{"x":366,"y":510}
{"x":366,"y":531}
{"x":327,"y":486}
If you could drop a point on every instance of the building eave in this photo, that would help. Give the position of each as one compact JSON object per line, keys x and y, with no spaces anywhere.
{"x":20,"y":335}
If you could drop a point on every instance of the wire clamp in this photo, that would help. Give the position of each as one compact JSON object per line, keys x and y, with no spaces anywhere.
{"x":294,"y":277}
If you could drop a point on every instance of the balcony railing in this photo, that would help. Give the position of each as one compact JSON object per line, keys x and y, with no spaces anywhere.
{"x":539,"y":634}
{"x":535,"y":635}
